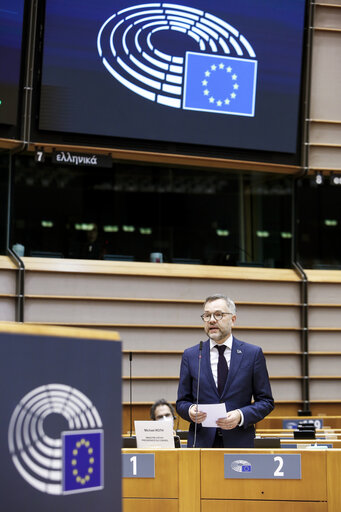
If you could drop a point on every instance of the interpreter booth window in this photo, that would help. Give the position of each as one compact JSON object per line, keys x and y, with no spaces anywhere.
{"x":319,"y":221}
{"x":147,"y":212}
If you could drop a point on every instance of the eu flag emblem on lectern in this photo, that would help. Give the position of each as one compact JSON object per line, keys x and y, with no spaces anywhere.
{"x":82,"y":460}
{"x":219,"y":84}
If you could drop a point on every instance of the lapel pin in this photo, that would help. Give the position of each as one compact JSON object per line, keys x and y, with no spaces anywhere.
{"x":239,"y":351}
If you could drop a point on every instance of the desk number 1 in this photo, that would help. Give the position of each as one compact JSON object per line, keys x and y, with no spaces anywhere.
{"x":134,"y":461}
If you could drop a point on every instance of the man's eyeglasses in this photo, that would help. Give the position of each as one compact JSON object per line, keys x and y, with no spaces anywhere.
{"x":217,"y":315}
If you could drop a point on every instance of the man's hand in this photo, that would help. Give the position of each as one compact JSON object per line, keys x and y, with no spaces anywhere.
{"x":195,"y":416}
{"x":231,"y":420}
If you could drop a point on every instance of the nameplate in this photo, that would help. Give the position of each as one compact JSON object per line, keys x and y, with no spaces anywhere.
{"x":303,"y":446}
{"x":153,"y":435}
{"x":264,"y":466}
{"x":138,"y":465}
{"x":318,"y":422}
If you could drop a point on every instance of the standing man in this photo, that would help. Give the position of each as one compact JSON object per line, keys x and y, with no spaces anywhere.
{"x":232,"y":372}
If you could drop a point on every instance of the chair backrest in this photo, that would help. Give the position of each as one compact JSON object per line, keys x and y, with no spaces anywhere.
{"x":183,"y":434}
{"x":267,"y":442}
{"x":46,"y":254}
{"x":129,"y":442}
{"x":118,"y":257}
{"x":304,"y":434}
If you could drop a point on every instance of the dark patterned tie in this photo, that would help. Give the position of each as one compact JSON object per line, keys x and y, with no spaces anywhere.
{"x":222,"y":369}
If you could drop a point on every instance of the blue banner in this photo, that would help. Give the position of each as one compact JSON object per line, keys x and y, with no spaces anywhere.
{"x":219,"y":84}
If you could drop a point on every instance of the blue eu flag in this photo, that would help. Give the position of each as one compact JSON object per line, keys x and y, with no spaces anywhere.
{"x":219,"y":84}
{"x":82,"y":460}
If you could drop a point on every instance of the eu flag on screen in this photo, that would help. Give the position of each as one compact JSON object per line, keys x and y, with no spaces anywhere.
{"x":219,"y":84}
{"x":82,"y":460}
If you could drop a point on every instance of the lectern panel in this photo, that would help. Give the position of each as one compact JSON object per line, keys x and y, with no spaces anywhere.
{"x":333,"y":480}
{"x":262,"y":506}
{"x":166,"y":481}
{"x":176,"y":486}
{"x":149,"y":505}
{"x":311,"y":487}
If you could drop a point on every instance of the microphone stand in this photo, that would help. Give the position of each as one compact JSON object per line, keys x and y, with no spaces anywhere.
{"x":197,"y":400}
{"x":130,"y":393}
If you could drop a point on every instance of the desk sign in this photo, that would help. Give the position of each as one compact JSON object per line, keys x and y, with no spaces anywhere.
{"x":264,"y":466}
{"x":303,"y":446}
{"x":292,"y":424}
{"x":138,"y":465}
{"x":154,"y":434}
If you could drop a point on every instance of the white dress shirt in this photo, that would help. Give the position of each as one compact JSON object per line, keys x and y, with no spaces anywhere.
{"x":214,"y":357}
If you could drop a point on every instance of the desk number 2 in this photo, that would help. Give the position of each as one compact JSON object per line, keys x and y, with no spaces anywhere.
{"x":134,"y":461}
{"x":278,"y":471}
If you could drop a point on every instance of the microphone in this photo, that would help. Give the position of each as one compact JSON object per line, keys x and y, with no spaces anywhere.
{"x":130,"y":393}
{"x":197,"y":398}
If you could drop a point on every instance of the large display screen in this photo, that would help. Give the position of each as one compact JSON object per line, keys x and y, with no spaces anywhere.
{"x":221,"y":73}
{"x":11,"y":30}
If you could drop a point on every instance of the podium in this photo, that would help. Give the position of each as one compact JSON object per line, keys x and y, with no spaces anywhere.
{"x":60,"y":429}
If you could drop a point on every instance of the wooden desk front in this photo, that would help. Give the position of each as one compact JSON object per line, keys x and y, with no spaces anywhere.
{"x":188,"y":480}
{"x":257,"y":495}
{"x":175,"y":488}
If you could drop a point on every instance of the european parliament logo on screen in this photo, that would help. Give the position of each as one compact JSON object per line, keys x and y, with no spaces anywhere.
{"x":224,"y":85}
{"x":69,"y":464}
{"x":219,"y":76}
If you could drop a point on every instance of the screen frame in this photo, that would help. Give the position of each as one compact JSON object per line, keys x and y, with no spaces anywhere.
{"x":14,"y":131}
{"x":138,"y":146}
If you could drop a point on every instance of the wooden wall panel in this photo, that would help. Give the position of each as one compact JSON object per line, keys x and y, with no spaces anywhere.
{"x":325,"y":365}
{"x":7,"y":309}
{"x":328,"y":17}
{"x":324,"y":132}
{"x":322,"y":340}
{"x":161,"y":338}
{"x":326,"y":70}
{"x":159,"y":313}
{"x":325,"y":389}
{"x":325,"y":157}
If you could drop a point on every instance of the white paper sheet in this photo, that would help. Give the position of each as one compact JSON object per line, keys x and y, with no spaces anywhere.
{"x":214,"y":412}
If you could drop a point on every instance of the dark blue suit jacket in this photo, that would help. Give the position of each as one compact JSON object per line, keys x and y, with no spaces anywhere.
{"x":247,"y":380}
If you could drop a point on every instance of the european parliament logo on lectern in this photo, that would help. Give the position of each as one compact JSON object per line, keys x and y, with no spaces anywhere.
{"x":71,"y":464}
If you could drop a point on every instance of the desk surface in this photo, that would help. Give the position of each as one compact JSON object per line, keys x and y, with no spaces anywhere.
{"x":63,"y":332}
